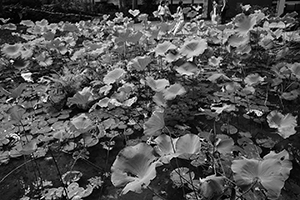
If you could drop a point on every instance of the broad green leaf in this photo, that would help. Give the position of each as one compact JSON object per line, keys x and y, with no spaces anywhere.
{"x":155,"y":123}
{"x":162,"y":48}
{"x":188,"y":69}
{"x":271,"y":172}
{"x":212,"y":187}
{"x":134,"y":168}
{"x":12,"y":51}
{"x":244,"y":23}
{"x":82,"y":123}
{"x":157,"y":85}
{"x":188,"y":145}
{"x":140,"y":63}
{"x":165,"y":147}
{"x":193,"y":47}
{"x":292,"y":95}
{"x":285,"y":124}
{"x":113,"y":76}
{"x":253,"y":79}
{"x":224,"y":144}
{"x":159,"y":99}
{"x":173,"y":91}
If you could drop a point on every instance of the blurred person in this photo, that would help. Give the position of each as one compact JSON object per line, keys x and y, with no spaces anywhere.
{"x":168,"y":13}
{"x":161,"y":11}
{"x":224,"y":8}
{"x":179,"y":18}
{"x":215,"y":13}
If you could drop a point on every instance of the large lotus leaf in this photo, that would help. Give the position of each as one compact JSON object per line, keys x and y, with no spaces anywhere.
{"x":157,"y":85}
{"x":188,"y":69}
{"x":245,"y":23}
{"x":284,"y":158}
{"x":155,"y":123}
{"x":159,"y":99}
{"x":113,"y":76}
{"x":12,"y":51}
{"x":285,"y":124}
{"x":134,"y":167}
{"x":82,"y":122}
{"x":253,"y":79}
{"x":224,"y":144}
{"x":165,"y":147}
{"x":162,"y":48}
{"x":193,"y":47}
{"x":212,"y":186}
{"x":173,"y":91}
{"x":82,"y":98}
{"x":188,"y":145}
{"x":141,"y":62}
{"x":270,"y":172}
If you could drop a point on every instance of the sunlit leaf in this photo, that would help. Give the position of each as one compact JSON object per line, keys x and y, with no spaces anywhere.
{"x":224,"y":144}
{"x":188,"y":69}
{"x":245,"y":23}
{"x":216,"y":76}
{"x":159,"y":99}
{"x":188,"y":145}
{"x":9,"y":26}
{"x":271,"y":172}
{"x":224,"y":107}
{"x":140,"y":63}
{"x":82,"y":123}
{"x":212,"y":186}
{"x":285,"y":124}
{"x":193,"y":47}
{"x":71,"y":176}
{"x":134,"y":168}
{"x":29,"y":147}
{"x":162,"y":48}
{"x":157,"y":85}
{"x":155,"y":123}
{"x":292,"y":95}
{"x":27,"y":76}
{"x":213,"y":61}
{"x":134,"y":12}
{"x":165,"y":147}
{"x":114,"y":76}
{"x":253,"y":79}
{"x":28,"y":23}
{"x":173,"y":91}
{"x":12,"y":51}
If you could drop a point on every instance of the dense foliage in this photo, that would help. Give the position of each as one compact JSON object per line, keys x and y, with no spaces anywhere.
{"x":212,"y":110}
